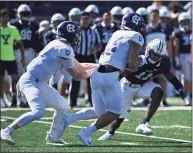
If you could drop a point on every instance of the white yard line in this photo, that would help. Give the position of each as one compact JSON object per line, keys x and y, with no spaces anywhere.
{"x":170,"y":126}
{"x":134,"y":108}
{"x":124,"y":133}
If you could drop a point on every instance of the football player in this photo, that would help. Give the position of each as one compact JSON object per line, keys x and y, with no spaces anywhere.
{"x":143,"y":12}
{"x":27,"y":29}
{"x":74,"y":15}
{"x":122,"y":48}
{"x":182,"y":47}
{"x":105,"y":29}
{"x":117,"y":15}
{"x":56,"y":55}
{"x":138,"y":84}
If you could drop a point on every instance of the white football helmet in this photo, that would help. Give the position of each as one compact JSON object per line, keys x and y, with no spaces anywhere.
{"x":24,"y":12}
{"x":155,"y":50}
{"x":74,"y":15}
{"x":127,"y":10}
{"x":184,"y":21}
{"x":142,"y":11}
{"x":164,"y":12}
{"x":92,"y":8}
{"x":56,"y":20}
{"x":117,"y":15}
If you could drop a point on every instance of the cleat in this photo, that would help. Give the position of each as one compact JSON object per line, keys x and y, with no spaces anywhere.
{"x":86,"y":140}
{"x":6,"y":136}
{"x":144,"y":129}
{"x":106,"y":136}
{"x":54,"y":141}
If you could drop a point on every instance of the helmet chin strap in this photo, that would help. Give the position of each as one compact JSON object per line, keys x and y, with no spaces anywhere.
{"x":150,"y":60}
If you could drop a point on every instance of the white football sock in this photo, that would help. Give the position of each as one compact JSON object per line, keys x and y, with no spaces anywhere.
{"x":90,"y":130}
{"x":83,"y":114}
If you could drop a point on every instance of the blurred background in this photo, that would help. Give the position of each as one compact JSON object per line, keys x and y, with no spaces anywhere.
{"x":40,"y":19}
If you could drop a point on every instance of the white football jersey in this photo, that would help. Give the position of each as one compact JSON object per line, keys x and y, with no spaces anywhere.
{"x":55,"y":56}
{"x":117,"y":50}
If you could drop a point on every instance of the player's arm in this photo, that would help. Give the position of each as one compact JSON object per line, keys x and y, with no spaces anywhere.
{"x":176,"y":43}
{"x":81,"y":71}
{"x":176,"y":83}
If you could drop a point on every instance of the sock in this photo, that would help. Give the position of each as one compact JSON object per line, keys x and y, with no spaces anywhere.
{"x":84,"y":114}
{"x":10,"y":129}
{"x":145,"y":119}
{"x":90,"y":130}
{"x":188,"y":96}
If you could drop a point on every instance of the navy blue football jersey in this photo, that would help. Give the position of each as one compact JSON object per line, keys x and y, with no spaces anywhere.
{"x":184,"y":40}
{"x":50,"y":35}
{"x":28,"y":33}
{"x":159,"y":32}
{"x":147,"y":71}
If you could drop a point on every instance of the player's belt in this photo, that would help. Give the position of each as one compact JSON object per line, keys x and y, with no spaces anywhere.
{"x":135,"y":85}
{"x":107,"y":69}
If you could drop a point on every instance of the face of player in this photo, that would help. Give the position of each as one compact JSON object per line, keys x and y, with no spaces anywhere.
{"x":185,"y":24}
{"x":154,"y":57}
{"x":4,"y":20}
{"x":107,"y":19}
{"x":84,"y":21}
{"x":154,"y":18}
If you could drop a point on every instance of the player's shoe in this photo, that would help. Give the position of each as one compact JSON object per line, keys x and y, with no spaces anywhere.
{"x":86,"y":140}
{"x":54,"y":142}
{"x":106,"y":136}
{"x":144,"y":129}
{"x":6,"y":136}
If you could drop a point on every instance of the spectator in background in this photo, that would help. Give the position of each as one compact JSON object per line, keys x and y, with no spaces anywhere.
{"x":154,"y":30}
{"x":182,"y":47}
{"x":8,"y":63}
{"x":175,"y":10}
{"x":84,"y":52}
{"x":105,"y":29}
{"x":157,"y":4}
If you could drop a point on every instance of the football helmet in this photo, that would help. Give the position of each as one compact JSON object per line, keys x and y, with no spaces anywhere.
{"x":184,"y":21}
{"x":68,"y":31}
{"x":143,"y":12}
{"x":92,"y":8}
{"x":74,"y":15}
{"x":24,"y":12}
{"x":56,"y":20}
{"x":133,"y":21}
{"x":117,"y":14}
{"x":155,"y":50}
{"x":127,"y":10}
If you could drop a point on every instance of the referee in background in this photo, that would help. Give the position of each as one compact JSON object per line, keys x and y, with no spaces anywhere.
{"x":85,"y":52}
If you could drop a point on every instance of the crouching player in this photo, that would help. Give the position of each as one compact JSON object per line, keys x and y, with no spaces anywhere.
{"x":56,"y":55}
{"x":138,"y":84}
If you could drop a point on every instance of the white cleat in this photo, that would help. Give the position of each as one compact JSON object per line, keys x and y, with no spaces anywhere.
{"x":106,"y":136}
{"x":54,"y":141}
{"x":86,"y":140}
{"x":6,"y":136}
{"x":144,"y":129}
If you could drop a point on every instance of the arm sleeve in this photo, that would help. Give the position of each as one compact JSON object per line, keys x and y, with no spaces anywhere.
{"x":16,"y":34}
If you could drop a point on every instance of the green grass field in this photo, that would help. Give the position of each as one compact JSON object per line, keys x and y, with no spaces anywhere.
{"x":173,"y":133}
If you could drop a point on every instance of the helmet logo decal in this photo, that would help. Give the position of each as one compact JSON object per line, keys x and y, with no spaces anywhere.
{"x":136,"y":19}
{"x":70,"y":28}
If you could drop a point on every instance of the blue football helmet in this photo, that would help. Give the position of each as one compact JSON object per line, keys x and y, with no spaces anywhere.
{"x":68,"y":31}
{"x":133,"y":21}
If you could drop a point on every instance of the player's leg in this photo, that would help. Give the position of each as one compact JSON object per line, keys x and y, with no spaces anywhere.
{"x":155,"y":92}
{"x":2,"y":74}
{"x":32,"y":92}
{"x":187,"y":72}
{"x":112,"y":98}
{"x":55,"y":100}
{"x":7,"y":89}
{"x":29,"y":55}
{"x":128,"y":95}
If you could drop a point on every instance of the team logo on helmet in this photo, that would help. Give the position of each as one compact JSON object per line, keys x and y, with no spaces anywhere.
{"x":136,"y":19}
{"x":70,"y":28}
